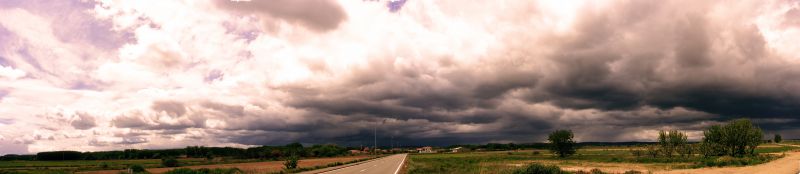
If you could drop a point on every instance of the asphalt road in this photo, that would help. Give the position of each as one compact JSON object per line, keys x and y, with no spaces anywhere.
{"x":385,"y":165}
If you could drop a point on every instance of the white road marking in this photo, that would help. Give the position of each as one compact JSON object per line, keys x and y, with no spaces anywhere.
{"x":400,"y":166}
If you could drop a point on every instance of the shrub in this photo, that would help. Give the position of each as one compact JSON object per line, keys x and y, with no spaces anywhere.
{"x":561,"y":143}
{"x":540,"y":169}
{"x":136,"y":168}
{"x":777,"y":138}
{"x":536,"y":153}
{"x":734,"y":161}
{"x":737,"y":138}
{"x":291,"y":163}
{"x":169,"y":162}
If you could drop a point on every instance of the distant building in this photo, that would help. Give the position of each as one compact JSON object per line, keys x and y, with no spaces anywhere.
{"x":426,"y":149}
{"x":356,"y":152}
{"x":458,"y":149}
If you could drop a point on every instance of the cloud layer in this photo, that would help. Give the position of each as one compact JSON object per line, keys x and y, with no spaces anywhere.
{"x":136,"y":74}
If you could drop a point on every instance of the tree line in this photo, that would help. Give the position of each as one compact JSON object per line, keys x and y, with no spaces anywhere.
{"x":262,"y":152}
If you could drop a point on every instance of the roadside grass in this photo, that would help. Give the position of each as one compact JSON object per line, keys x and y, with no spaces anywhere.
{"x":508,"y":161}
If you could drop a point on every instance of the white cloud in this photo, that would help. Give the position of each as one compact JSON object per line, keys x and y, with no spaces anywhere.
{"x":437,"y":68}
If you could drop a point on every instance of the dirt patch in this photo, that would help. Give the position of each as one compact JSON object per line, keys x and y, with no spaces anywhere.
{"x":256,"y":167}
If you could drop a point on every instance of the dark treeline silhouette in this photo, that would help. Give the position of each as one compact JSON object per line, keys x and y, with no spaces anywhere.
{"x":262,"y":152}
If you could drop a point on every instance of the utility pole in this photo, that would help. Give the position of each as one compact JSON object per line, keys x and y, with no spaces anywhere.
{"x":375,"y":139}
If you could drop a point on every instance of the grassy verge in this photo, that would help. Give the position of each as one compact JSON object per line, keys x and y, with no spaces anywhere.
{"x":508,"y":162}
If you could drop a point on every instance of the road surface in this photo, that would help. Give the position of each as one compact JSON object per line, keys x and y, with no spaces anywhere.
{"x":385,"y":165}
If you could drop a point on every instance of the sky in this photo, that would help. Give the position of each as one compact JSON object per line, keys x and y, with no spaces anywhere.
{"x":113,"y":74}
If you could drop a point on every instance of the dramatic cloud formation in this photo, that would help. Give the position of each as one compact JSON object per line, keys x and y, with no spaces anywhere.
{"x":112,"y":74}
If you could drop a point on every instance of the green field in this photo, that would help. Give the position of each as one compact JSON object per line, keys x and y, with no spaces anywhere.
{"x":795,"y":142}
{"x":613,"y":157}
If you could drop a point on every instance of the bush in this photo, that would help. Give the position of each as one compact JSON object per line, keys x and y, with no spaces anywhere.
{"x":777,"y":138}
{"x":136,"y":168}
{"x":169,"y":162}
{"x":536,"y":153}
{"x":561,"y":143}
{"x":291,"y":163}
{"x":734,"y":161}
{"x":535,"y":168}
{"x":737,"y":138}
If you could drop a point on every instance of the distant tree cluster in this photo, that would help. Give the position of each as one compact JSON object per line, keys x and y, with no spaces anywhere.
{"x":737,"y":138}
{"x":263,"y":152}
{"x":59,"y":155}
{"x":777,"y":138}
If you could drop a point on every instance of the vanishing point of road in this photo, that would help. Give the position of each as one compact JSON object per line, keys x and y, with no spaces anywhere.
{"x":386,"y":165}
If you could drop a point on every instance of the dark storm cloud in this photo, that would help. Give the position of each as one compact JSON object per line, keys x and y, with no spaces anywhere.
{"x":320,"y":15}
{"x":638,"y":66}
{"x":649,"y":65}
{"x":83,"y":121}
{"x":601,"y":68}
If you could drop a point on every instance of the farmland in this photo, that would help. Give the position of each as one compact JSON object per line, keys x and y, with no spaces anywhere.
{"x":154,"y":165}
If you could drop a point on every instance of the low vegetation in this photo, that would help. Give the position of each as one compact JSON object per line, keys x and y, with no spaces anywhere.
{"x":736,"y":143}
{"x":71,"y":161}
{"x":263,"y":152}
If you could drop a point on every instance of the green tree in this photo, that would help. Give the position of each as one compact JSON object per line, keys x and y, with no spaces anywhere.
{"x":777,"y":138}
{"x":561,"y":143}
{"x":671,"y":142}
{"x":737,"y":138}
